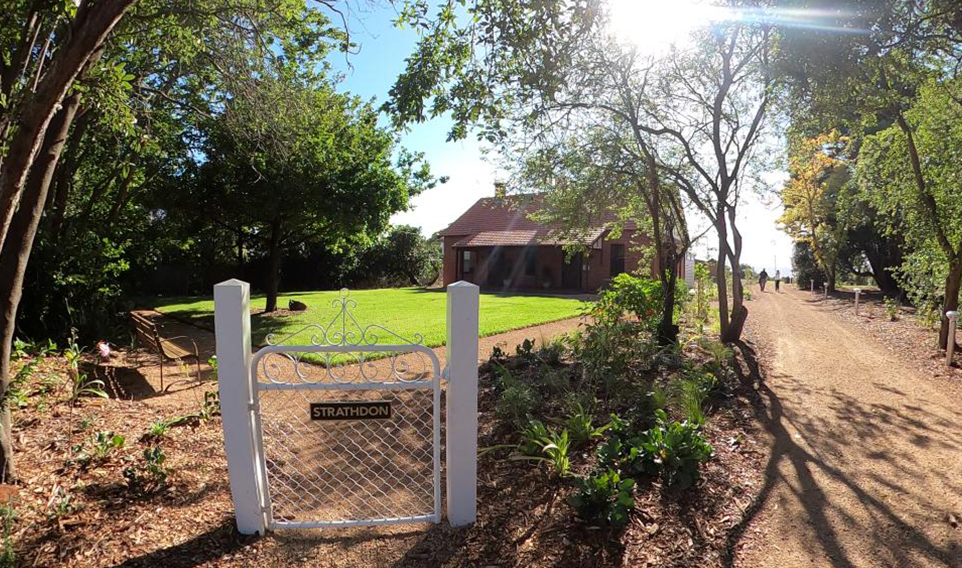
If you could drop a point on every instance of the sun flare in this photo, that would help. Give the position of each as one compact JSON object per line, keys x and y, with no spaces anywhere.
{"x":654,"y":25}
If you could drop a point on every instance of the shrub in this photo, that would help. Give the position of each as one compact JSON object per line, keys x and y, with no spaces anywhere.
{"x":604,"y":498}
{"x":516,"y":399}
{"x":550,"y":352}
{"x":676,"y":450}
{"x":892,"y":308}
{"x":606,"y":350}
{"x":641,"y":297}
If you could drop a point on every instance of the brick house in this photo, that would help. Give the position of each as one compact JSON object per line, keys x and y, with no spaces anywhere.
{"x":496,"y":245}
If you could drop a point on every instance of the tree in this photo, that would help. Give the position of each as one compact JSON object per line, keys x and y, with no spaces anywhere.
{"x":54,"y":59}
{"x":870,"y":81}
{"x":695,"y":116}
{"x":295,"y":162}
{"x":923,"y":202}
{"x":817,"y":173}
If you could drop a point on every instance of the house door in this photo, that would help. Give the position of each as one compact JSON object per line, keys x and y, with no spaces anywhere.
{"x":571,"y":273}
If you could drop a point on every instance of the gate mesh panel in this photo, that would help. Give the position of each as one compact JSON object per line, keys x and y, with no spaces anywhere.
{"x":350,"y":470}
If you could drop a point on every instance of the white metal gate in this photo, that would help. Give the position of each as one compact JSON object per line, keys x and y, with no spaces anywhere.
{"x":346,"y":429}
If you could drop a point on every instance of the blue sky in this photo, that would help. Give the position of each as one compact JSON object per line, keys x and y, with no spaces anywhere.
{"x":371,"y":73}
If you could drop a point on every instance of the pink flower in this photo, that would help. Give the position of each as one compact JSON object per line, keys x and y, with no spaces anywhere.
{"x":104,"y":348}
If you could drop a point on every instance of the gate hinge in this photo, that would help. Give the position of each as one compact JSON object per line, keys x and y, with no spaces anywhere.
{"x":252,"y":407}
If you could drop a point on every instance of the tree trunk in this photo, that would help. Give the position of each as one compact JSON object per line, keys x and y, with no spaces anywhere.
{"x":274,"y":263}
{"x":951,"y":303}
{"x":720,"y":277}
{"x":880,"y":263}
{"x":16,"y":253}
{"x":94,"y":21}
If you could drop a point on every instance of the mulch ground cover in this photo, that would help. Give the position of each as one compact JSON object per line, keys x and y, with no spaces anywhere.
{"x":73,"y":511}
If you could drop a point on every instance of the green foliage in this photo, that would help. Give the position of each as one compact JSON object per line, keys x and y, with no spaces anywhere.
{"x":8,"y":518}
{"x":80,"y":384}
{"x":691,"y":394}
{"x":580,"y":424}
{"x":550,"y":352}
{"x":893,"y":307}
{"x":603,"y":498}
{"x":516,"y":399}
{"x":674,"y":449}
{"x":546,"y":445}
{"x":640,"y":297}
{"x":97,"y":448}
{"x":150,"y":474}
{"x":720,"y":353}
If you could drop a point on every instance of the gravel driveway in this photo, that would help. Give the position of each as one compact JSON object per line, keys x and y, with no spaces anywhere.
{"x":866,"y":453}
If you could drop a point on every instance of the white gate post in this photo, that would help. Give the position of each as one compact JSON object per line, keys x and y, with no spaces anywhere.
{"x":461,"y":396}
{"x":232,"y":327}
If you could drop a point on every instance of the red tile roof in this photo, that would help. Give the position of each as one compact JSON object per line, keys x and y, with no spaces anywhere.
{"x":541,"y":236}
{"x":510,"y":216}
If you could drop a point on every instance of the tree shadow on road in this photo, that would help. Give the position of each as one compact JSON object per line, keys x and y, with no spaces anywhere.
{"x":811,"y":458}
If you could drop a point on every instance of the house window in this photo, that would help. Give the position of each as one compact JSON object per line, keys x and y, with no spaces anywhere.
{"x":467,"y":261}
{"x":530,"y":261}
{"x":617,"y":259}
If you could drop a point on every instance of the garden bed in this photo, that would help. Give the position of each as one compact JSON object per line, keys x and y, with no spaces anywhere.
{"x":87,"y":499}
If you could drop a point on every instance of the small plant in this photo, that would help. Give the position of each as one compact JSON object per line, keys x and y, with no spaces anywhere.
{"x":8,"y":517}
{"x":210,"y":407}
{"x":105,"y":443}
{"x":158,"y":430}
{"x":525,"y":349}
{"x":550,"y":352}
{"x":557,"y":452}
{"x":498,"y":354}
{"x":675,"y":450}
{"x":212,"y":362}
{"x":543,"y":444}
{"x":893,"y":307}
{"x":580,"y":423}
{"x":516,"y":399}
{"x":720,"y":353}
{"x":691,"y":396}
{"x":80,"y":384}
{"x":605,"y":499}
{"x":97,"y":449}
{"x":534,"y":437}
{"x":657,"y":397}
{"x":61,"y":505}
{"x":149,"y":475}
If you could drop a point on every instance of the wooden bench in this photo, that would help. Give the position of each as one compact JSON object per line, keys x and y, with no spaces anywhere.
{"x":165,"y":348}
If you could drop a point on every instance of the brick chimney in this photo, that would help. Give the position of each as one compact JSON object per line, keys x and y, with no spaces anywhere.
{"x":500,"y":190}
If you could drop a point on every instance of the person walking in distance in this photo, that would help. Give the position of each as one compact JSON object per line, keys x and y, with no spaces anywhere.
{"x":778,"y":278}
{"x":762,"y":279}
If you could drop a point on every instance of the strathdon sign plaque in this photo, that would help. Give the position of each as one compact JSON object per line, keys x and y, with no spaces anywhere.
{"x":352,"y":410}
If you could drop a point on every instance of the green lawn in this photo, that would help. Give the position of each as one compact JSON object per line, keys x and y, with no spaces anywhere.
{"x":406,"y":311}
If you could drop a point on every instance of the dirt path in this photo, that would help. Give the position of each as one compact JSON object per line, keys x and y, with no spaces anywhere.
{"x":866,"y":464}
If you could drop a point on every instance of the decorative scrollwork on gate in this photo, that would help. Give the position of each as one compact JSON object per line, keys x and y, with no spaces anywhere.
{"x":345,"y":330}
{"x":345,"y":352}
{"x":346,"y":367}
